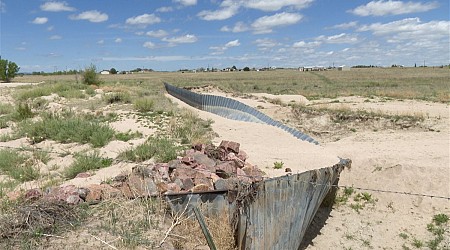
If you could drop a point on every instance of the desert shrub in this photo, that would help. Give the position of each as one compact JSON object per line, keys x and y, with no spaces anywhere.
{"x":6,"y":109}
{"x":190,"y":129}
{"x":86,"y":162}
{"x":144,"y":104}
{"x":90,"y":76}
{"x":66,"y":128}
{"x":162,"y":149}
{"x":128,"y":135}
{"x":117,"y":97}
{"x":22,"y":112}
{"x":15,"y":165}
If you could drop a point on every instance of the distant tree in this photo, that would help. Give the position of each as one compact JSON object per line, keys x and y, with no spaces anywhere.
{"x":234,"y":68}
{"x":8,"y":70}
{"x":90,"y":76}
{"x":113,"y":71}
{"x":246,"y":69}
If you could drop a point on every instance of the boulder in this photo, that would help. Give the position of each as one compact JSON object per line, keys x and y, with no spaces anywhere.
{"x":230,"y":146}
{"x":204,"y":160}
{"x":201,"y":188}
{"x":83,"y":175}
{"x":253,"y":172}
{"x":33,"y":194}
{"x":226,"y":169}
{"x":242,"y":155}
{"x":109,"y":192}
{"x":94,"y":194}
{"x":187,"y":184}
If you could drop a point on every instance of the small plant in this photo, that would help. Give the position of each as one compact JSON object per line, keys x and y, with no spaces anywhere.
{"x":23,"y":111}
{"x":417,"y":243}
{"x":117,"y":97}
{"x":403,"y":236}
{"x":86,"y":162}
{"x":144,"y":104}
{"x":162,"y":149}
{"x":128,"y":135}
{"x":440,"y":219}
{"x":278,"y":165}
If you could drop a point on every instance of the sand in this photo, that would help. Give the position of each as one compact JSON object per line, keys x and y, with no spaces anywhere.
{"x":412,"y":160}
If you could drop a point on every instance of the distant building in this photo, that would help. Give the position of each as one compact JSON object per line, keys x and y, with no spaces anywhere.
{"x":309,"y":68}
{"x":343,"y":68}
{"x":104,"y":72}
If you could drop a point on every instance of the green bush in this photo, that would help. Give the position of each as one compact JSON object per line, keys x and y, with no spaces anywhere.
{"x":22,"y":112}
{"x":67,"y":128}
{"x":90,"y":76}
{"x":14,"y":164}
{"x":144,"y":104}
{"x":128,"y":135}
{"x":86,"y":162}
{"x":117,"y":97}
{"x":162,"y":149}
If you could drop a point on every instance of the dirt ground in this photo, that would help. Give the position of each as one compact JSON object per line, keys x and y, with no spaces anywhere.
{"x":415,"y":160}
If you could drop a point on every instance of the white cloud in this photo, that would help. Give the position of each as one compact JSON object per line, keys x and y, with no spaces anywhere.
{"x":149,"y":45}
{"x":55,"y":37}
{"x":2,"y":7}
{"x":118,"y":40}
{"x":164,"y":9}
{"x":410,"y":28}
{"x":101,"y":41}
{"x":221,"y":49}
{"x":303,"y":44}
{"x":345,"y":25}
{"x":40,"y":20}
{"x":382,"y":8}
{"x":265,"y":43}
{"x":238,"y":27}
{"x":220,"y":14}
{"x":50,"y":28}
{"x":56,"y":6}
{"x":341,"y":38}
{"x":181,"y":39}
{"x":93,"y":16}
{"x":157,"y":33}
{"x":265,"y":24}
{"x":143,"y":20}
{"x":186,"y":2}
{"x":272,"y":5}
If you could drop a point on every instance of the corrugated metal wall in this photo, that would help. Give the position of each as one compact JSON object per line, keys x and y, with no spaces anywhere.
{"x":232,"y":109}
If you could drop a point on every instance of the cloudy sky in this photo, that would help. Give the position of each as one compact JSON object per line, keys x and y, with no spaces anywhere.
{"x":173,"y":34}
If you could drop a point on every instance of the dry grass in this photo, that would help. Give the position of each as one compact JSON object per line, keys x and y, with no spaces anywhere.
{"x":403,"y":83}
{"x":192,"y":236}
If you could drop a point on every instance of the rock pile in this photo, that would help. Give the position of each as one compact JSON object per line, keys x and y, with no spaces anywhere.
{"x":202,"y":168}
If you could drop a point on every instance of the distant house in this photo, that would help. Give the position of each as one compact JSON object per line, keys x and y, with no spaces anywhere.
{"x":343,"y":68}
{"x":104,"y":72}
{"x":315,"y":68}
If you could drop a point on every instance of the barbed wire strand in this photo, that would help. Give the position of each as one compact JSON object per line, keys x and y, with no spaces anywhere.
{"x":22,"y":148}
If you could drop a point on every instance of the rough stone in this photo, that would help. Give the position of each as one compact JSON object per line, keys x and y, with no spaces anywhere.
{"x":137,"y":186}
{"x":242,"y":155}
{"x":83,"y":175}
{"x":232,"y":157}
{"x":33,"y":194}
{"x":183,"y":173}
{"x":199,"y":147}
{"x":204,"y":160}
{"x":126,"y":191}
{"x":188,"y":160}
{"x":173,"y":188}
{"x":253,"y":172}
{"x":288,"y":170}
{"x":73,"y":200}
{"x":179,"y":183}
{"x":225,"y":169}
{"x":187,"y":184}
{"x":162,"y":187}
{"x":94,"y":194}
{"x":83,"y":192}
{"x":230,"y":146}
{"x":121,"y":178}
{"x":221,"y":184}
{"x":109,"y":192}
{"x":241,"y":175}
{"x":142,"y":171}
{"x":152,"y":188}
{"x":201,"y":188}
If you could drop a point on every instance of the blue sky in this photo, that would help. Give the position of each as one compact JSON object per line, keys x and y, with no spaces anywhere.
{"x":174,"y":34}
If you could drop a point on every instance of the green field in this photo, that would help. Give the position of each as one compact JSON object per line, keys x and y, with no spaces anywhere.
{"x":431,"y":84}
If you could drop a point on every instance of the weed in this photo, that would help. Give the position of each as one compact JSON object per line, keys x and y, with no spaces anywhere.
{"x":14,"y":164}
{"x":417,"y":243}
{"x":440,"y":219}
{"x":42,"y":155}
{"x":278,"y":165}
{"x":117,"y":97}
{"x":403,"y":236}
{"x":66,"y":128}
{"x":356,"y":206}
{"x":86,"y":162}
{"x":6,"y":109}
{"x":128,"y":135}
{"x":162,"y":149}
{"x":188,"y":128}
{"x":144,"y":104}
{"x":22,"y":112}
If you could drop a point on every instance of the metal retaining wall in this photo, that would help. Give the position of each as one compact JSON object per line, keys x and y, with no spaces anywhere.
{"x":232,"y":109}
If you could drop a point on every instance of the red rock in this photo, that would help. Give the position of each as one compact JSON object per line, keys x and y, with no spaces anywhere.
{"x":109,"y":192}
{"x":137,"y":186}
{"x":126,"y":191}
{"x":201,"y":188}
{"x":206,"y":181}
{"x":253,"y":172}
{"x":13,"y":195}
{"x":183,"y":173}
{"x":188,"y":160}
{"x":230,"y":146}
{"x":242,"y":176}
{"x":173,"y":188}
{"x":33,"y":194}
{"x":203,"y":159}
{"x":83,"y":175}
{"x":232,"y":157}
{"x":94,"y":194}
{"x":242,"y":155}
{"x":73,"y":200}
{"x":187,"y":184}
{"x":162,"y":187}
{"x":225,"y":169}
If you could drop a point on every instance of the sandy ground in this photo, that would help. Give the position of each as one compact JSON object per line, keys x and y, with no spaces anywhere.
{"x":413,"y":161}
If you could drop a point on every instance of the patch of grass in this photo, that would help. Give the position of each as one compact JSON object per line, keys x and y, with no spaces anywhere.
{"x":117,"y":97}
{"x":162,"y":149}
{"x":417,"y":243}
{"x":278,"y":165}
{"x":144,"y":104}
{"x":62,"y":89}
{"x":22,"y":112}
{"x":6,"y":109}
{"x":85,"y":163}
{"x":189,"y":129}
{"x":128,"y":135}
{"x":66,"y":128}
{"x":17,"y":166}
{"x":7,"y":186}
{"x":42,"y":155}
{"x":403,"y":236}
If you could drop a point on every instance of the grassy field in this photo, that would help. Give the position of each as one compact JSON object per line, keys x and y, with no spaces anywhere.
{"x":431,"y":84}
